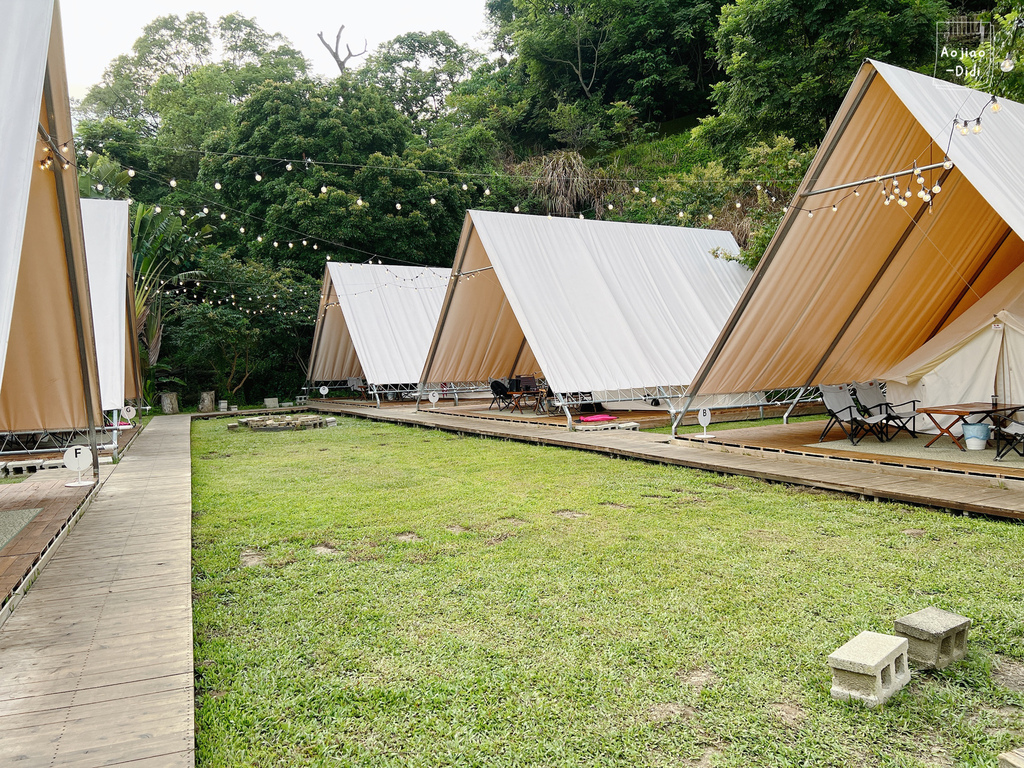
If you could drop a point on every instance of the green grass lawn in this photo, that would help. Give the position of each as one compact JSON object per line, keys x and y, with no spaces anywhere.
{"x":377,"y":595}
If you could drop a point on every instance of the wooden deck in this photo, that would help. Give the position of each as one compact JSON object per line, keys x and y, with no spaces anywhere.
{"x":953,"y":487}
{"x":96,"y":661}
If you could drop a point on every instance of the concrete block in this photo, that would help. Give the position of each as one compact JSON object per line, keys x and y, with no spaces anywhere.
{"x":287,"y":404}
{"x":630,"y":425}
{"x":233,"y":426}
{"x":870,"y":668}
{"x":52,"y":464}
{"x":330,"y":421}
{"x":270,"y":402}
{"x":302,"y":399}
{"x":936,"y":637}
{"x":23,"y":467}
{"x":1014,"y":759}
{"x":222,"y":405}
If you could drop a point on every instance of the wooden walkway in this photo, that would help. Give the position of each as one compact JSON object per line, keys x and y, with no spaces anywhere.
{"x":946,"y":489}
{"x":96,"y":661}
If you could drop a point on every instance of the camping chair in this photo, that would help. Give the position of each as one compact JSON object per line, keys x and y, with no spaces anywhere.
{"x":499,"y":395}
{"x":843,"y":411}
{"x":1009,"y":437}
{"x":873,"y":400}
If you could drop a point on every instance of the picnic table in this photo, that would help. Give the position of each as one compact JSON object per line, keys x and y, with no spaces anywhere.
{"x":962,"y":412}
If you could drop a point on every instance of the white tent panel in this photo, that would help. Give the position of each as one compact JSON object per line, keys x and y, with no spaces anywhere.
{"x":612,"y":305}
{"x":390,"y":313}
{"x":24,"y":42}
{"x":990,"y":160}
{"x":105,"y":224}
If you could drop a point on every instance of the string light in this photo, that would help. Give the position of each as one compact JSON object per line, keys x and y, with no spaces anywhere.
{"x":259,"y":177}
{"x":173,"y":182}
{"x":216,"y":185}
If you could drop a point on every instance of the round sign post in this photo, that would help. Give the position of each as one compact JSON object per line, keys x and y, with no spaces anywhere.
{"x":324,"y":390}
{"x":78,"y":458}
{"x":704,"y":417}
{"x":433,"y":397}
{"x":129,"y":412}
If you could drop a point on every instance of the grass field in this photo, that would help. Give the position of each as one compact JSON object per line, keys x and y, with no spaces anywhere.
{"x":376,"y":595}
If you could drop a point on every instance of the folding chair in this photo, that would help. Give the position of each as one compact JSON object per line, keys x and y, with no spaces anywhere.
{"x":874,"y":401}
{"x":499,"y":395}
{"x":1009,"y":437}
{"x":843,"y":412}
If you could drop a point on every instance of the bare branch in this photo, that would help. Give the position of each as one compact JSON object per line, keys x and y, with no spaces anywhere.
{"x":336,"y":50}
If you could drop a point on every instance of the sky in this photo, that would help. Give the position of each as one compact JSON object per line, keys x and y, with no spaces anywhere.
{"x":95,"y":32}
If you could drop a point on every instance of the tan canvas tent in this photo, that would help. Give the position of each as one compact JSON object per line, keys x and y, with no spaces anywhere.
{"x":616,"y":309}
{"x":112,"y":293}
{"x":845,"y":295}
{"x":375,"y":322}
{"x":48,"y":362}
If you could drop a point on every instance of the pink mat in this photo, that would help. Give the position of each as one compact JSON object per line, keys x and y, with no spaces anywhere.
{"x":598,"y":417}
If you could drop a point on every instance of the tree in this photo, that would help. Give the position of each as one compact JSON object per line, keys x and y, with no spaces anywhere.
{"x":419,"y":70}
{"x":790,"y":62}
{"x":242,"y":320}
{"x":336,"y":50}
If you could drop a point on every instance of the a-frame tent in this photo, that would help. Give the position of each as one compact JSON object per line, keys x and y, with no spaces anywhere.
{"x":620,"y":310}
{"x":112,"y":293}
{"x":842,"y":296}
{"x":375,"y":322}
{"x":48,"y":366}
{"x":978,"y":355}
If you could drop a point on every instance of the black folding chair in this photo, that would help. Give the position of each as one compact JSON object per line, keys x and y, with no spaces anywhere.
{"x":499,"y":395}
{"x":1009,"y":437}
{"x":843,"y":412}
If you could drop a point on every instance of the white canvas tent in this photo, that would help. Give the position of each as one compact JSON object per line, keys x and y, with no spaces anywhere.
{"x":48,"y":363}
{"x":111,"y":290}
{"x":375,"y":322}
{"x":844,"y":296}
{"x":978,"y":355}
{"x":616,"y":309}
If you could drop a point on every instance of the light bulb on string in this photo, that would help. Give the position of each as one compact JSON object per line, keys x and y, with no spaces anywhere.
{"x":711,"y":216}
{"x":64,"y":148}
{"x":810,"y":214}
{"x":964,"y":129}
{"x":181,"y":211}
{"x":581,"y":215}
{"x":259,"y":238}
{"x":241,"y":230}
{"x":936,"y":189}
{"x":99,"y":187}
{"x":856,"y":193}
{"x":173,"y":182}
{"x":947,"y":163}
{"x":908,"y":194}
{"x":305,"y":242}
{"x":223,"y":217}
{"x":359,"y":202}
{"x":636,"y":190}
{"x":316,"y":248}
{"x":1007,"y":64}
{"x":996,"y":106}
{"x":205,"y":209}
{"x":654,"y":199}
{"x":739,"y":205}
{"x":158,"y":209}
{"x":611,"y":207}
{"x":398,"y":206}
{"x":835,"y":208}
{"x":487,"y":190}
{"x":131,"y":173}
{"x":465,"y":187}
{"x":516,"y":209}
{"x":258,"y":177}
{"x":433,"y":201}
{"x":977,"y":126}
{"x":288,"y":167}
{"x":216,"y":185}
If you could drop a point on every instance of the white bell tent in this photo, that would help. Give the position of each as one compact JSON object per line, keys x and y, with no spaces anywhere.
{"x":978,"y":355}
{"x":375,"y":322}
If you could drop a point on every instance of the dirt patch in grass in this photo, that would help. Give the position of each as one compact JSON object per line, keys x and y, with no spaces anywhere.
{"x":408,"y":536}
{"x":568,"y":514}
{"x":251,"y":558}
{"x":499,"y":538}
{"x":698,"y":679}
{"x":614,"y":505}
{"x":653,"y":496}
{"x":659,"y":713}
{"x":325,"y":549}
{"x":209,"y":456}
{"x":511,"y":521}
{"x":364,"y":552}
{"x":915,"y":533}
{"x":1009,"y":673}
{"x":456,"y":529}
{"x":791,"y":715}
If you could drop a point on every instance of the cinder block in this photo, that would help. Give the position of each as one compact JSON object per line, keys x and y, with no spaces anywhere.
{"x":870,"y":668}
{"x":330,"y":421}
{"x":233,"y":426}
{"x":936,"y":637}
{"x":287,"y":405}
{"x":1014,"y":759}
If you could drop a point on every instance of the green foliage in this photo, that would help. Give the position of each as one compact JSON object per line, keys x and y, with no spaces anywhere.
{"x":418,"y":70}
{"x":788,"y":63}
{"x":241,"y":320}
{"x":1007,"y":42}
{"x":102,"y":177}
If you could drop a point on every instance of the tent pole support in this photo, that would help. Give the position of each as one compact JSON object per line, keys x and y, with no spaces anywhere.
{"x":568,"y":417}
{"x":679,"y":416}
{"x":799,"y":394}
{"x":78,"y":302}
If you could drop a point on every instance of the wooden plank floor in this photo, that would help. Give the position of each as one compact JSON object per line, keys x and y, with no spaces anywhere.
{"x":96,"y":661}
{"x":1003,"y":497}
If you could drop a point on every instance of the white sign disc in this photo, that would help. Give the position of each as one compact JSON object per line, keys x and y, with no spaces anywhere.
{"x":78,"y":458}
{"x":704,"y":416}
{"x":324,"y":390}
{"x":433,"y":397}
{"x":129,"y":412}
